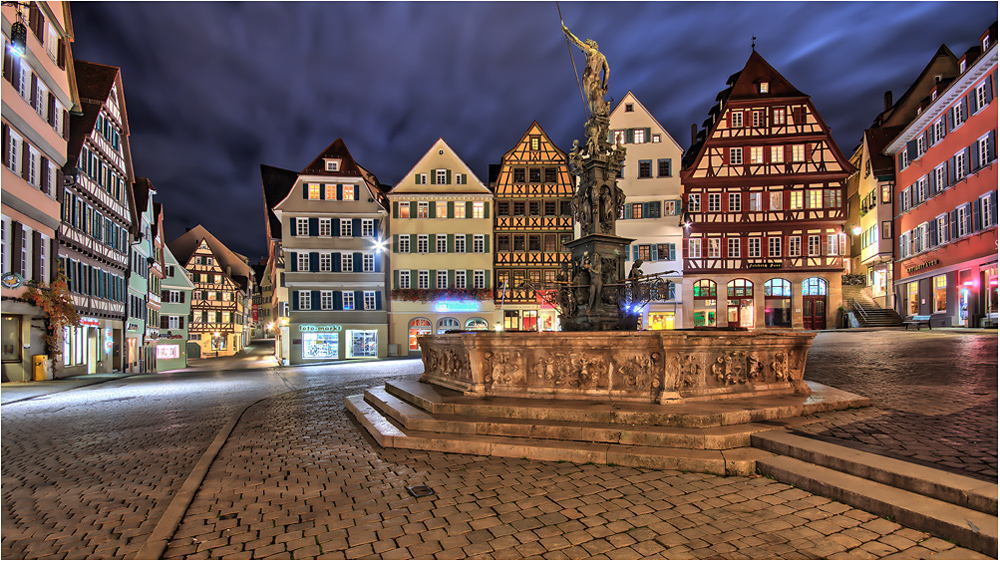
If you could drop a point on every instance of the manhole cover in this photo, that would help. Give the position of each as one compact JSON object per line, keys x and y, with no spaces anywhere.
{"x":420,"y":491}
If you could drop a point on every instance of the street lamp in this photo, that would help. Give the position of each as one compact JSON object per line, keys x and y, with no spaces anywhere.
{"x":18,"y":31}
{"x":215,"y":343}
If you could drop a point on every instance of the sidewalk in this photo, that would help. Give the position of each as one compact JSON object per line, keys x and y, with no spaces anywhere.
{"x":18,"y":391}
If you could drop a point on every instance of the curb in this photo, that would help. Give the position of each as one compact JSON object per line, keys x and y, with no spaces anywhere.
{"x":165,"y":528}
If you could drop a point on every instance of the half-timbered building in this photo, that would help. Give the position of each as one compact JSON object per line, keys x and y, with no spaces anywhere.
{"x":221,"y":281}
{"x":94,"y":236}
{"x":533,"y":193}
{"x":764,"y":209}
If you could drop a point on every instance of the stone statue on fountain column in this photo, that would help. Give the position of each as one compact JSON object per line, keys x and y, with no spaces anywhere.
{"x":594,"y":86}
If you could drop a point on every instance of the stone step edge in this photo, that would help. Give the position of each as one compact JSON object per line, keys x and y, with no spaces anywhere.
{"x":413,"y":418}
{"x":966,"y":527}
{"x":741,"y":462}
{"x":429,"y":399}
{"x":945,"y":486}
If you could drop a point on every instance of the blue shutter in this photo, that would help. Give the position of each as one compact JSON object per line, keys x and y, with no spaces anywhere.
{"x":313,"y":261}
{"x":359,"y":300}
{"x":989,"y":89}
{"x":993,"y":208}
{"x":628,"y":211}
{"x":295,"y":300}
{"x":322,"y":191}
{"x":316,"y":305}
{"x":977,"y":217}
{"x":378,"y":300}
{"x":358,"y":265}
{"x":991,"y":144}
{"x":305,"y":191}
{"x":314,"y":227}
{"x":355,"y":226}
{"x":954,"y":224}
{"x":654,"y":254}
{"x":635,"y":252}
{"x":336,"y":262}
{"x":338,"y":301}
{"x":340,"y":192}
{"x":357,"y":193}
{"x":295,"y":262}
{"x":672,"y":252}
{"x":335,"y":227}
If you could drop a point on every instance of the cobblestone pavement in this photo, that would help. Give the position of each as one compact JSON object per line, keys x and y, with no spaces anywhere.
{"x":933,"y":392}
{"x":87,"y":474}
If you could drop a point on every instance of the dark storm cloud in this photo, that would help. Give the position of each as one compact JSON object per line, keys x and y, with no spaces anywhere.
{"x":215,"y":89}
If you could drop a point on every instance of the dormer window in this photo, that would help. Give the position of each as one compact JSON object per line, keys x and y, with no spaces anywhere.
{"x":763,"y":87}
{"x":332,"y":165}
{"x":986,"y":43}
{"x":961,"y":65}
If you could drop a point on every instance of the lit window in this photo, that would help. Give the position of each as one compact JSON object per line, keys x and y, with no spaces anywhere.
{"x":755,"y":201}
{"x":798,"y":153}
{"x":422,"y":210}
{"x":764,"y":87}
{"x":348,"y":191}
{"x":756,"y":154}
{"x":779,"y":116}
{"x":478,"y":210}
{"x":714,"y":247}
{"x":639,"y":136}
{"x":441,"y":209}
{"x":815,"y":200}
{"x":370,"y":300}
{"x":404,"y":209}
{"x":796,"y":200}
{"x":313,"y":189}
{"x":348,"y":299}
{"x":694,"y":248}
{"x":460,"y":209}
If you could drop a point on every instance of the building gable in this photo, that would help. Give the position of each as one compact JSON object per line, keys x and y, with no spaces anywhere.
{"x":440,"y":171}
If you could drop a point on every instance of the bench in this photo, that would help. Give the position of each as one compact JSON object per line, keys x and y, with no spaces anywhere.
{"x":917,"y":321}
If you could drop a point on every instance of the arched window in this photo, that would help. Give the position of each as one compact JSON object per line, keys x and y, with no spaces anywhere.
{"x":418,"y":327}
{"x":814,"y":286}
{"x":477,"y":324}
{"x":704,"y":289}
{"x":704,"y":303}
{"x":740,"y":289}
{"x":778,"y":303}
{"x":446,"y":324}
{"x":777,"y":288}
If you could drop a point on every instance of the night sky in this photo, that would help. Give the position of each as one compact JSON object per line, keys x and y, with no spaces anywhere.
{"x":213,"y":90}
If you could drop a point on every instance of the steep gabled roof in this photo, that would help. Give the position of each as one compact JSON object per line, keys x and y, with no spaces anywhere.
{"x":758,"y":70}
{"x":141,"y":189}
{"x":439,"y":145}
{"x":186,"y":244}
{"x":276,"y":184}
{"x":348,"y":168}
{"x":631,"y":98}
{"x":878,"y":139}
{"x":94,"y":82}
{"x":944,"y":63}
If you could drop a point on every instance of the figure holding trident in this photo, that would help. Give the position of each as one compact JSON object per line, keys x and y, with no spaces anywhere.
{"x":595,"y":86}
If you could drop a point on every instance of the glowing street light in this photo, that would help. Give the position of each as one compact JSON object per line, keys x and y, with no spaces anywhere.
{"x":18,"y":31}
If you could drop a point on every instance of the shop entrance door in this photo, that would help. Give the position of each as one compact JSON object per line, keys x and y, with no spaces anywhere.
{"x":814,"y":312}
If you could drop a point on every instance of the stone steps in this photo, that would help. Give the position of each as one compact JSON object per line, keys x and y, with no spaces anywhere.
{"x":704,"y":436}
{"x":687,"y":414}
{"x":947,"y":505}
{"x":389,"y":433}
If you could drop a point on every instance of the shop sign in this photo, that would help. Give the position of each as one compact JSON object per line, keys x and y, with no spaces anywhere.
{"x":456,"y":306}
{"x":320,"y":328}
{"x":90,"y":322}
{"x":922,"y":266}
{"x":12,"y":280}
{"x":172,"y":351}
{"x":109,"y":341}
{"x":764,"y":265}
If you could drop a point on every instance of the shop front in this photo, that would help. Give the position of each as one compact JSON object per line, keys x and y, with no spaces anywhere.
{"x":90,"y":347}
{"x":171,"y":352}
{"x":316,"y":343}
{"x":963,"y":295}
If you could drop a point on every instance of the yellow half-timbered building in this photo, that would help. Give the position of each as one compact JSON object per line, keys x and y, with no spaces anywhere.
{"x":533,"y":193}
{"x":764,"y":194}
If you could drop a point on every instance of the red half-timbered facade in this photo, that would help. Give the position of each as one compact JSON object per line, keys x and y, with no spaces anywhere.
{"x":764,"y":208}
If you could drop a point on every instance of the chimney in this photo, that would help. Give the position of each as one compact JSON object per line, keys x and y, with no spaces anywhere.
{"x":694,"y":133}
{"x":887,"y":99}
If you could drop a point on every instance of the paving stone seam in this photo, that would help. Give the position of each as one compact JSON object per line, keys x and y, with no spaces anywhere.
{"x":156,"y":542}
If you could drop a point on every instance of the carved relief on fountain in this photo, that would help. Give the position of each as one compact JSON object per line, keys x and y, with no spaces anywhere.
{"x":503,"y":369}
{"x":568,"y":370}
{"x":637,"y":374}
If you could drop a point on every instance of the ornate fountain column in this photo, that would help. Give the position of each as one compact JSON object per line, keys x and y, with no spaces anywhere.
{"x":589,"y":299}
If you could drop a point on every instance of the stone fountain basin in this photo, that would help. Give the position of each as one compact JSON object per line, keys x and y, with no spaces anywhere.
{"x":652,"y":366}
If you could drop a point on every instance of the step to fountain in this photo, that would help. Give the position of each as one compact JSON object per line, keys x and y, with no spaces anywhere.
{"x":707,"y":436}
